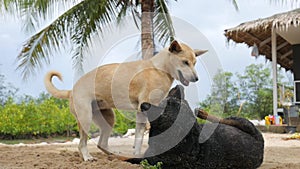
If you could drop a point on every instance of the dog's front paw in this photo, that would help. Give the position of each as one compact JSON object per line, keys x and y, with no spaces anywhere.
{"x":201,"y":113}
{"x":147,"y":126}
{"x":88,"y":157}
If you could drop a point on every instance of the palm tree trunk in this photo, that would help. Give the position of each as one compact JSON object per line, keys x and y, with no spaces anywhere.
{"x":147,"y":29}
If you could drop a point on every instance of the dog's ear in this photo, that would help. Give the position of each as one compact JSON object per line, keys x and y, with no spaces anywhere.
{"x":199,"y":52}
{"x":177,"y":92}
{"x":145,"y":106}
{"x":175,"y":47}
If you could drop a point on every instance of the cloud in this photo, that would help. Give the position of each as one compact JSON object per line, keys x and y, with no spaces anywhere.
{"x":208,"y":17}
{"x":4,"y":36}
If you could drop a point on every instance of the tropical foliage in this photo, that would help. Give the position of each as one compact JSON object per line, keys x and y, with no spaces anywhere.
{"x":58,"y":25}
{"x":45,"y":116}
{"x":145,"y":164}
{"x":77,"y":24}
{"x":23,"y":116}
{"x":6,"y":90}
{"x":123,"y":121}
{"x":33,"y":118}
{"x":248,"y":95}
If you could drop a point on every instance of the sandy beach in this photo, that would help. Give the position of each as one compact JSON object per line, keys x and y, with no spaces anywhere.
{"x":279,"y":154}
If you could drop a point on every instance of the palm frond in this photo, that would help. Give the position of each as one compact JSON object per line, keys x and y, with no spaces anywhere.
{"x":38,"y":49}
{"x":80,"y":23}
{"x":124,"y":7}
{"x":40,"y":12}
{"x":96,"y":16}
{"x":77,"y":26}
{"x":163,"y":25}
{"x":234,"y":3}
{"x":6,"y":4}
{"x":136,"y":17}
{"x":129,"y":6}
{"x":33,"y":13}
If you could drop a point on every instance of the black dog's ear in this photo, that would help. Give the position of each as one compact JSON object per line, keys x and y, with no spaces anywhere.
{"x":145,"y":106}
{"x":177,"y":92}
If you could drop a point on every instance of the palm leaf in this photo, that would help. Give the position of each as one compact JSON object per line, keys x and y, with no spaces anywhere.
{"x":33,"y":12}
{"x":83,"y":20}
{"x":40,"y":46}
{"x":79,"y":23}
{"x":163,"y":25}
{"x":234,"y":3}
{"x":96,"y":16}
{"x":129,"y":6}
{"x":9,"y":6}
{"x":36,"y":12}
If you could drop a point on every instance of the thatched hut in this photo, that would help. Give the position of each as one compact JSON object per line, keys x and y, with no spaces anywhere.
{"x":278,"y":39}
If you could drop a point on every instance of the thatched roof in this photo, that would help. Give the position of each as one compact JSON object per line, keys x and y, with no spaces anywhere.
{"x":259,"y":32}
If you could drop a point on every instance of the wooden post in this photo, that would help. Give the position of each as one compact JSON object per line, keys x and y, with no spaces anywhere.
{"x":296,"y":71}
{"x":274,"y":68}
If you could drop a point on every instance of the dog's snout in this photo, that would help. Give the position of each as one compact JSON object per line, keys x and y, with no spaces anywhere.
{"x":196,"y":79}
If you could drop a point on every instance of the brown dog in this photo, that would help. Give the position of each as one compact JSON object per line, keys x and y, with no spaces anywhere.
{"x":125,"y":86}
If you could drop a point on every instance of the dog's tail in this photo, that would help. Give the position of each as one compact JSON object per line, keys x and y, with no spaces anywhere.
{"x":128,"y":158}
{"x":62,"y":94}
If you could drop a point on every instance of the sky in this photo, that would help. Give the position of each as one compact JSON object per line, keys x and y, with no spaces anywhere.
{"x":200,"y":24}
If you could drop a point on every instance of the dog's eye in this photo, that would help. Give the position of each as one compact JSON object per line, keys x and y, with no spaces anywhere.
{"x":186,"y":62}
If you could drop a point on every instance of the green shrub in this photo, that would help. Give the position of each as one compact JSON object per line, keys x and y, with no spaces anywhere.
{"x":47,"y":116}
{"x":146,"y":165}
{"x":123,"y":121}
{"x":51,"y":116}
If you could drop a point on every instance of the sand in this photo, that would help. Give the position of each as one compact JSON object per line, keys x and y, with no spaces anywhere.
{"x":279,"y":154}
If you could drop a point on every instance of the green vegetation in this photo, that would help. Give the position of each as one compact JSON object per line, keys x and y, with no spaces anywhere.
{"x":146,"y":165}
{"x":6,"y":90}
{"x":247,"y":95}
{"x":56,"y":139}
{"x":82,"y":22}
{"x":123,"y":121}
{"x":48,"y":116}
{"x":23,"y":117}
{"x":36,"y":118}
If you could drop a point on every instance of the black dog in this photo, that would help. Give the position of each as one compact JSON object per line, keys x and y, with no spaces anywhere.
{"x":178,"y":141}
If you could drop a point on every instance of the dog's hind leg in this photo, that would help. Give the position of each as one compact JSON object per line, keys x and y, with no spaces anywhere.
{"x":83,"y":145}
{"x":104,"y":119}
{"x":84,"y":120}
{"x":240,"y":123}
{"x":141,"y":120}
